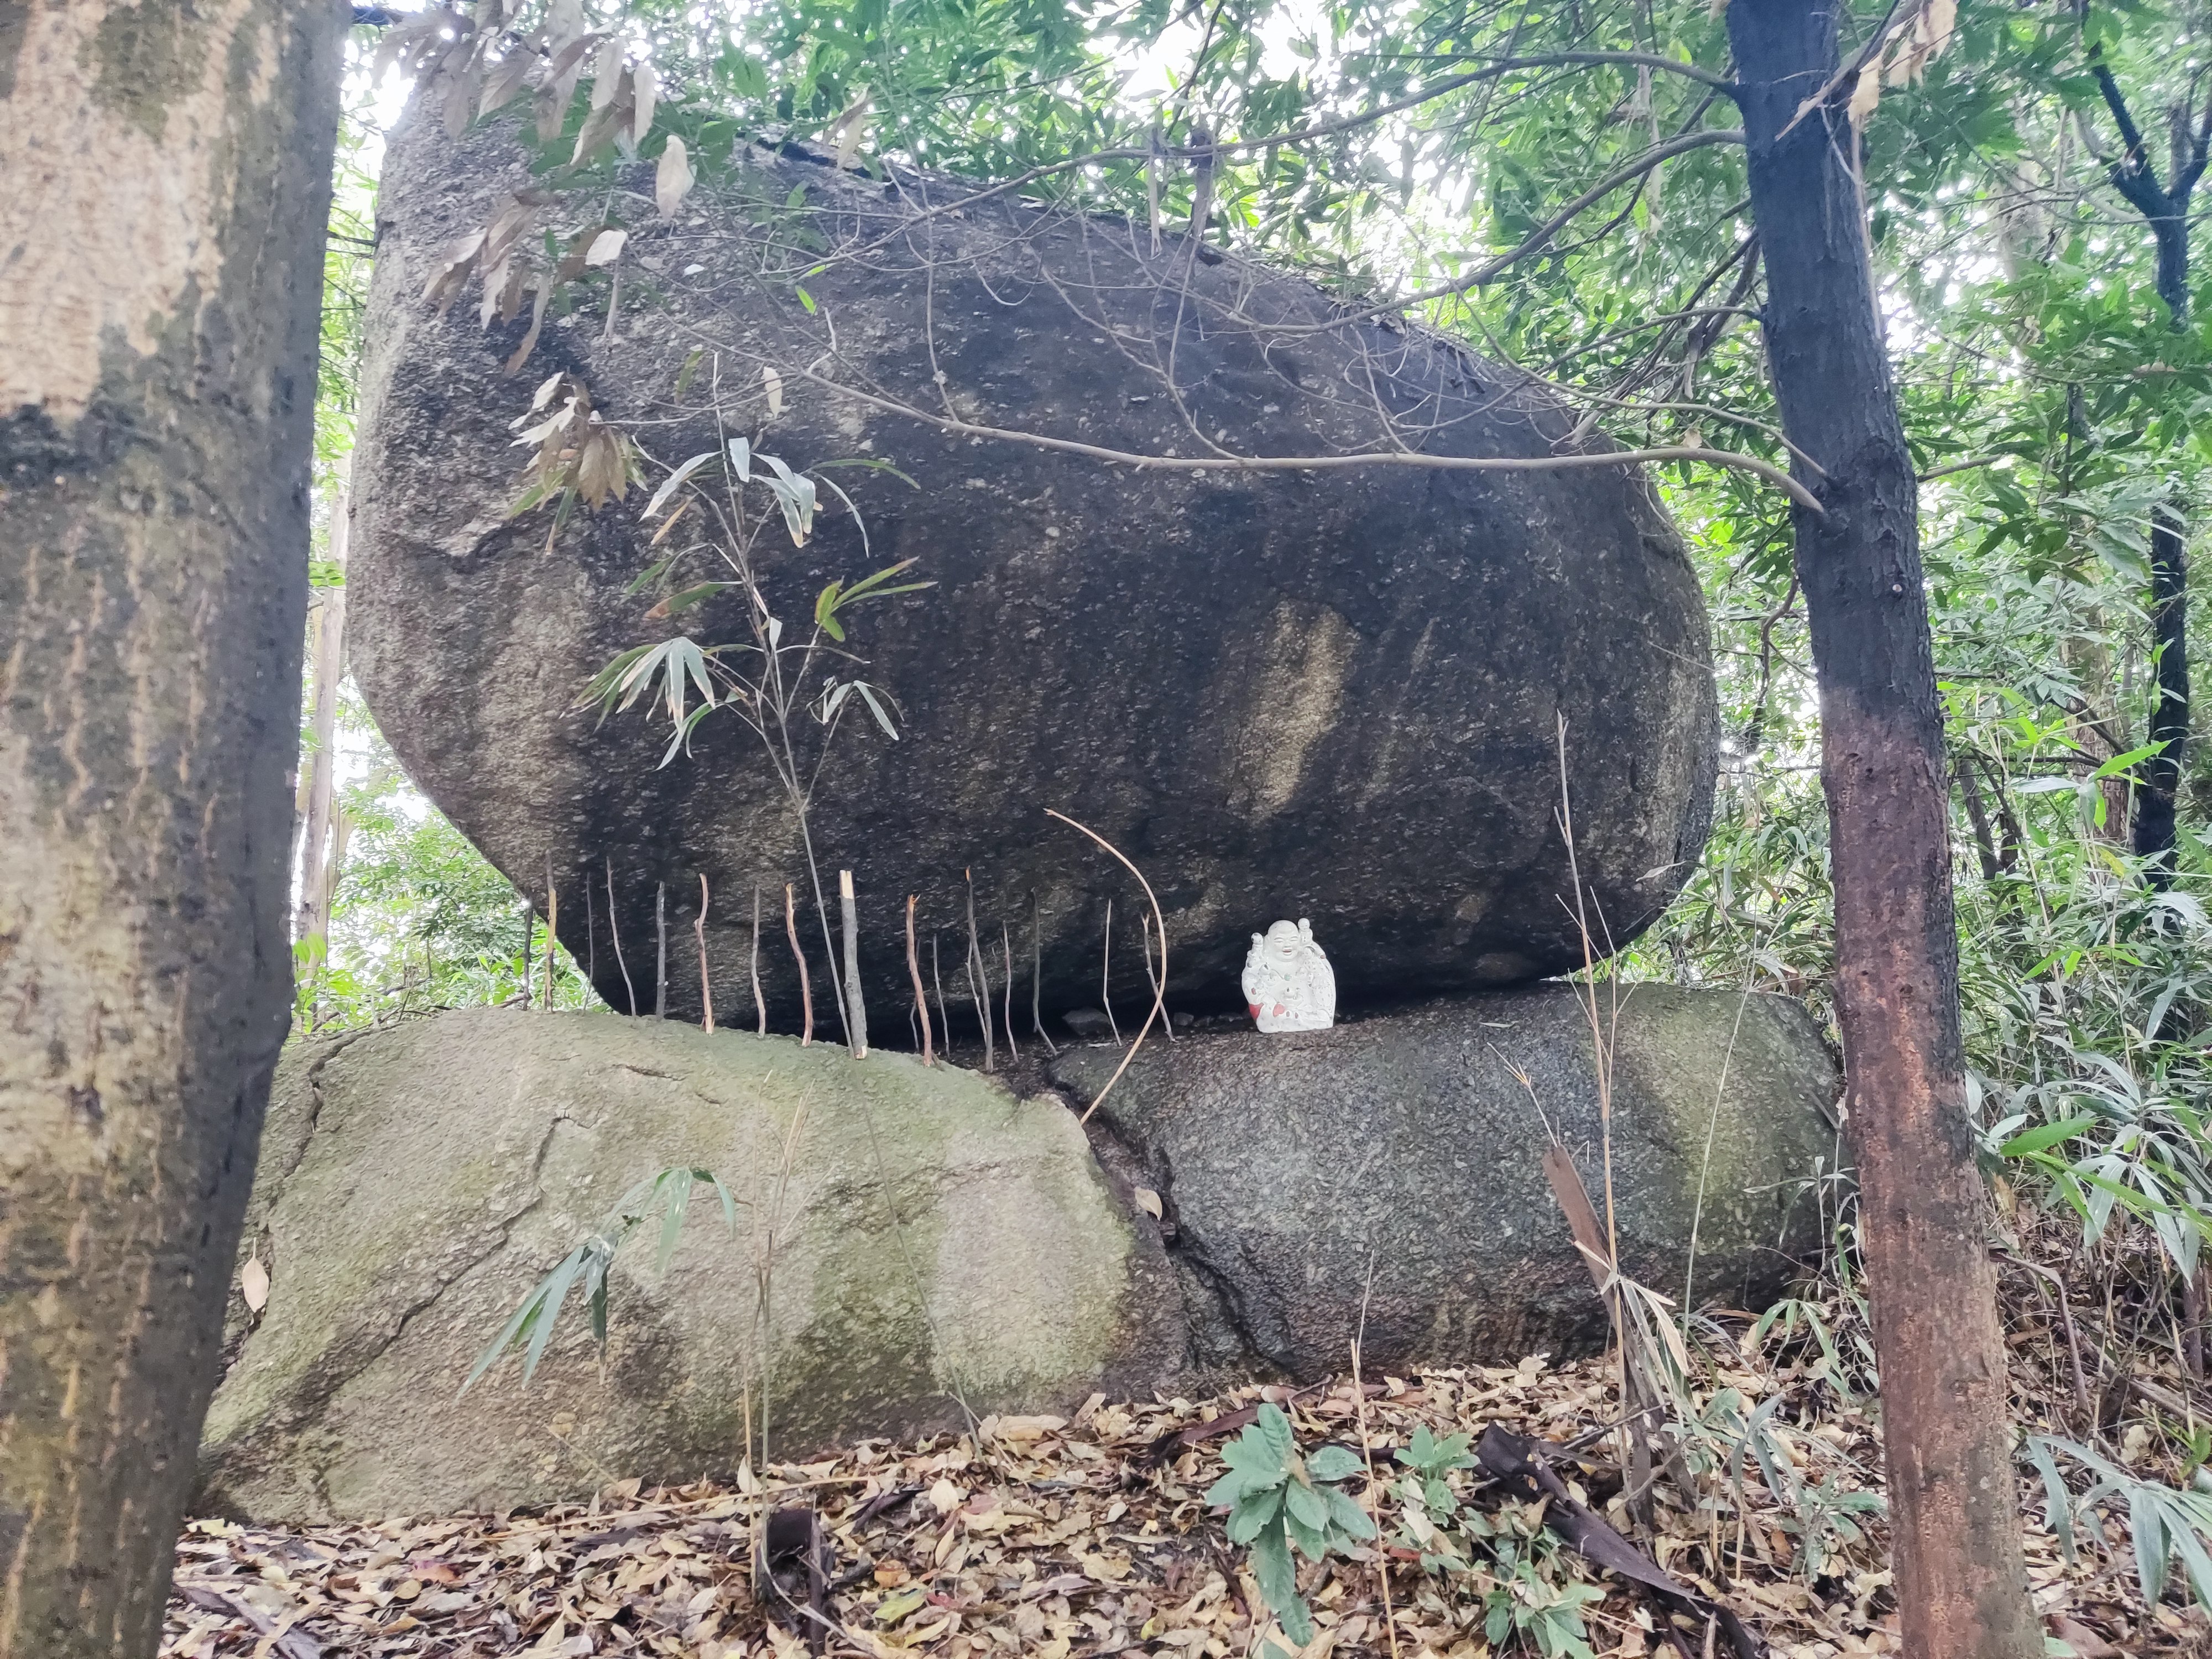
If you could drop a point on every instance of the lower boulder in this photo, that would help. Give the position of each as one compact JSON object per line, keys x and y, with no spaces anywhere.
{"x":911,"y":1246}
{"x":915,"y":1248}
{"x":1390,"y":1172}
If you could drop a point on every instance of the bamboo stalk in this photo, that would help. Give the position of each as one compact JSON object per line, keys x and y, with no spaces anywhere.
{"x":699,"y":927}
{"x":660,"y":932}
{"x":856,"y":1023}
{"x":806,"y":987}
{"x":922,"y":1002}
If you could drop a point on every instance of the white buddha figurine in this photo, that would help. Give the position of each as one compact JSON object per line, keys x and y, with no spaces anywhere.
{"x":1288,"y":984}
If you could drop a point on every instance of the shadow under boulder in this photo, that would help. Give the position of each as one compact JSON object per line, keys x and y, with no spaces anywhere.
{"x":917,"y":1248}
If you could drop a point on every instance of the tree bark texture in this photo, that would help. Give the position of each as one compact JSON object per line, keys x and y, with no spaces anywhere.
{"x":167,"y":169}
{"x":1952,"y":1493}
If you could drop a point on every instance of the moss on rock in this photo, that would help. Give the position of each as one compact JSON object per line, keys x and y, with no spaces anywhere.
{"x":912,"y":1245}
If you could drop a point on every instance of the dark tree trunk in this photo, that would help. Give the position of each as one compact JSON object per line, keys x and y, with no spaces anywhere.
{"x":1953,"y":1494}
{"x":2165,"y":209}
{"x":2169,"y":715}
{"x":168,"y":171}
{"x":2169,"y":233}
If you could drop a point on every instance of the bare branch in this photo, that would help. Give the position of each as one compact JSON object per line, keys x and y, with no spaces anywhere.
{"x":1492,"y":270}
{"x":1567,"y":59}
{"x":1846,"y":76}
{"x":1320,"y":129}
{"x":1228,"y":463}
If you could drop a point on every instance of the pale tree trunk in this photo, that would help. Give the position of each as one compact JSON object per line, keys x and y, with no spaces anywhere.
{"x":168,"y":177}
{"x":1955,"y":1501}
{"x":319,"y":842}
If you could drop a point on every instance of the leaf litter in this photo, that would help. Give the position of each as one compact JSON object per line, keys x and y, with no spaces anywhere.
{"x":1056,"y":1538}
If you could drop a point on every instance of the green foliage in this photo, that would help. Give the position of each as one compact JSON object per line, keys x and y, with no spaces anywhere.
{"x":1276,"y":1498}
{"x":1427,"y":1505}
{"x":420,"y":920}
{"x":2165,"y":1524}
{"x":1529,"y":1598}
{"x":1529,"y":1594}
{"x":586,"y":1269}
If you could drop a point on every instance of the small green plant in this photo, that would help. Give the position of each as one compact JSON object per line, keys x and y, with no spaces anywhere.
{"x":1276,"y":1498}
{"x":2164,"y":1521}
{"x":767,"y":681}
{"x":1427,"y":1506}
{"x":1525,"y":1598}
{"x":668,"y":1196}
{"x":1511,"y":1561}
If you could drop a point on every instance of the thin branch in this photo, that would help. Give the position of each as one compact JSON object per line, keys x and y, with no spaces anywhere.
{"x":1160,"y":922}
{"x":1558,"y":60}
{"x":2132,"y":175}
{"x":1846,"y":76}
{"x":1772,"y":474}
{"x":1964,"y":466}
{"x":1306,"y":135}
{"x":2138,"y":153}
{"x":1537,"y":239}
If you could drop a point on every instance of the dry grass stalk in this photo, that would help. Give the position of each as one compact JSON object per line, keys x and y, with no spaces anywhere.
{"x":699,"y":927}
{"x":979,"y":979}
{"x":615,"y":934}
{"x":1106,"y":972}
{"x":760,"y":1003}
{"x":920,"y":1001}
{"x":937,"y":979}
{"x":806,"y":987}
{"x":1007,"y":943}
{"x":1159,"y":983}
{"x":1037,"y":976}
{"x":1159,"y":921}
{"x":1601,"y":1061}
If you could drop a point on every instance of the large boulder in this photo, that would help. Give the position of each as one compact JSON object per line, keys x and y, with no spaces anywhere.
{"x":1389,"y":1174}
{"x":941,"y":1247}
{"x":911,"y":1246}
{"x":1334,"y":693}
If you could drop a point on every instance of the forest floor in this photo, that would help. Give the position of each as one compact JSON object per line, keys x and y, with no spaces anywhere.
{"x":1058,"y":1538}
